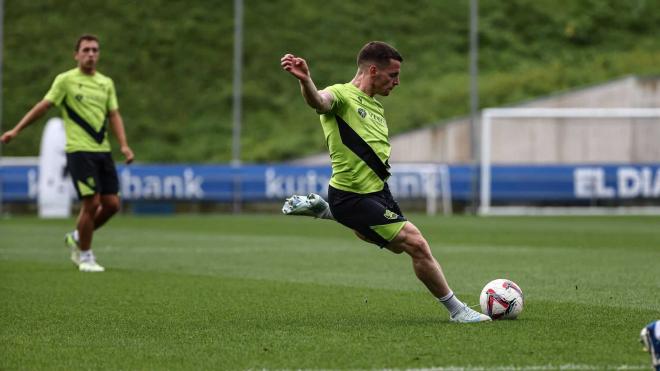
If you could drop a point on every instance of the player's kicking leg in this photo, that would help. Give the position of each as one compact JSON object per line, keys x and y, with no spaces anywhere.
{"x":310,"y":205}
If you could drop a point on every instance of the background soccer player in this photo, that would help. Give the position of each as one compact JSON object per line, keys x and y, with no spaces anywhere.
{"x":87,"y":98}
{"x":357,"y":136}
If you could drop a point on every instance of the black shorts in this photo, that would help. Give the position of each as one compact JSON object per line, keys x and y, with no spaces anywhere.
{"x":376,"y":215}
{"x":92,"y":172}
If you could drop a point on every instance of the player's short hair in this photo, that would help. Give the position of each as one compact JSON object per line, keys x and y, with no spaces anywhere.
{"x":379,"y":53}
{"x":85,"y":37}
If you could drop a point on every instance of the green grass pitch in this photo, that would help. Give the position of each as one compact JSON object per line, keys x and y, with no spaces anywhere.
{"x":277,"y":292}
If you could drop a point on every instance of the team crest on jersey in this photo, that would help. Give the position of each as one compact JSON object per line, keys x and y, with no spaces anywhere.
{"x":362,"y":112}
{"x":79,"y":97}
{"x":391,"y":215}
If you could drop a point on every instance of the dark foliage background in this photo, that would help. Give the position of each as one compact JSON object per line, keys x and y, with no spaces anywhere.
{"x":172,"y":62}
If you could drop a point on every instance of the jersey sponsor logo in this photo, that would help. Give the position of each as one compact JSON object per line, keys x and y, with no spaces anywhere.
{"x":101,"y":99}
{"x":362,"y":112}
{"x":391,"y":215}
{"x":377,"y":118}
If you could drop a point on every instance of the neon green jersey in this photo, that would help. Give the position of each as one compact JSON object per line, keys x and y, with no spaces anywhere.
{"x":85,"y":101}
{"x":357,"y":138}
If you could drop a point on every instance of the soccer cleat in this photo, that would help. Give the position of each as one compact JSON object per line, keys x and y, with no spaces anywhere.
{"x":312,"y":205}
{"x":469,"y":315}
{"x":90,"y":266}
{"x":293,"y":204}
{"x":72,"y":244}
{"x":650,"y":338}
{"x":318,"y":205}
{"x":88,"y":262}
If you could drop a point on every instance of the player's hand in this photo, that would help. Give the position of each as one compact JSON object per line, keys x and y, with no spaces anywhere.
{"x":295,"y":66}
{"x":128,"y":154}
{"x":7,"y":136}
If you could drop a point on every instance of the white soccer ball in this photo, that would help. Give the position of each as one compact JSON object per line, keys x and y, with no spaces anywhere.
{"x":501,"y":299}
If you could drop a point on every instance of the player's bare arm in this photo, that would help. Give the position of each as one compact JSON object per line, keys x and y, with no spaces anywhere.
{"x":117,"y":125}
{"x":33,"y":115}
{"x":320,"y":100}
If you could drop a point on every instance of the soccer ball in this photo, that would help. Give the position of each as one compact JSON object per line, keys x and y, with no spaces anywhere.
{"x":501,"y":299}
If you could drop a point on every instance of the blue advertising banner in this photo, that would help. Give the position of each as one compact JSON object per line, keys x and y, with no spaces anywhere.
{"x":221,"y":183}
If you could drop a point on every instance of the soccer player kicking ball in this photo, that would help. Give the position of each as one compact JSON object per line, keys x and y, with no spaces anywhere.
{"x":356,"y":133}
{"x":87,"y":98}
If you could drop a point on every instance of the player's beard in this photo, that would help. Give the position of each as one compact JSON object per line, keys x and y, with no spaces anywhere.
{"x":89,"y":65}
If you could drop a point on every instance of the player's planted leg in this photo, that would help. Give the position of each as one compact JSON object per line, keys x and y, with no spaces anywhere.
{"x":428,"y":270}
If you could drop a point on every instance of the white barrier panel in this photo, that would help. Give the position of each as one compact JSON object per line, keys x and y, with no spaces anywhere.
{"x":54,"y":198}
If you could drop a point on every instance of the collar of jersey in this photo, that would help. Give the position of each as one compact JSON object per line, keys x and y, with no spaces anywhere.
{"x":361,"y":92}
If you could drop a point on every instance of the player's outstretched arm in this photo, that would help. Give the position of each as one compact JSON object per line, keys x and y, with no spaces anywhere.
{"x":33,"y":115}
{"x":321,"y":100}
{"x":118,"y":128}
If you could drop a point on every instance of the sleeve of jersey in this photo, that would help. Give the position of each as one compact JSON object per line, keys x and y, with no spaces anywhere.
{"x":56,"y":93}
{"x":338,"y":95}
{"x":113,"y":105}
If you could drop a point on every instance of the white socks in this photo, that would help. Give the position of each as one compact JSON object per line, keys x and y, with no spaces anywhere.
{"x":87,"y":256}
{"x":451,"y":302}
{"x":75,"y":235}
